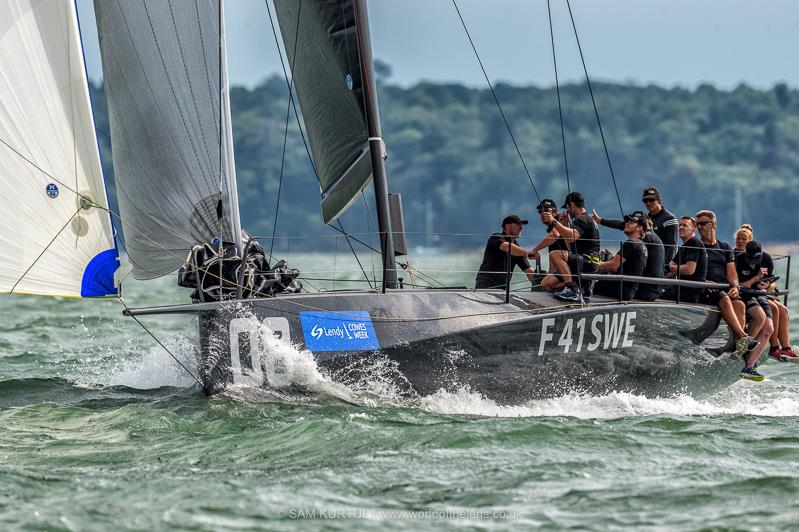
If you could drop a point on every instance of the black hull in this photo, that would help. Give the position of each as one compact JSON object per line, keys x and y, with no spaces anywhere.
{"x":531,"y":348}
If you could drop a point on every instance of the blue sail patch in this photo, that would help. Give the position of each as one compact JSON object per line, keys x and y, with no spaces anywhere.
{"x":349,"y":330}
{"x":98,"y":277}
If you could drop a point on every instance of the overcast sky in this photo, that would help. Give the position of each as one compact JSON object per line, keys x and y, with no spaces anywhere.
{"x":667,"y":42}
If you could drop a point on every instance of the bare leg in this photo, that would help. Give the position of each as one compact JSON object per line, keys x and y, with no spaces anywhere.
{"x":766,"y":328}
{"x":756,"y":321}
{"x":550,"y":283}
{"x":730,"y":317}
{"x":559,"y":260}
{"x":740,"y":310}
{"x":782,"y":331}
{"x":775,"y":312}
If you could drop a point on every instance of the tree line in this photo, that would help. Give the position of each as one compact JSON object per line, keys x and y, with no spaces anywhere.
{"x":455,"y":163}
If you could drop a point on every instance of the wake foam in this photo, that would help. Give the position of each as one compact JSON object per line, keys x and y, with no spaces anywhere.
{"x":763,"y":399}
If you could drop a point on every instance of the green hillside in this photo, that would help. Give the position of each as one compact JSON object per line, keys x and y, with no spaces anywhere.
{"x":448,"y":144}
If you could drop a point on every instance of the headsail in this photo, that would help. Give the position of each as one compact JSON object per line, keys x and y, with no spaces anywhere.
{"x":320,"y":40}
{"x":163,"y":70}
{"x":55,"y":230}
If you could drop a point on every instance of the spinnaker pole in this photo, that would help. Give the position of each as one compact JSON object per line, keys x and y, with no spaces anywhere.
{"x":376,"y":145}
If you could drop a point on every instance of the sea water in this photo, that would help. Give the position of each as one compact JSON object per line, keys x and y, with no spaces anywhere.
{"x":100,"y":428}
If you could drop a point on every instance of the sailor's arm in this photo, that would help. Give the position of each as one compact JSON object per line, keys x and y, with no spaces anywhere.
{"x":732,"y":279}
{"x":568,"y":234}
{"x":683,"y":269}
{"x":613,"y":224}
{"x":547,"y":241}
{"x":612,"y":265}
{"x":515,"y":250}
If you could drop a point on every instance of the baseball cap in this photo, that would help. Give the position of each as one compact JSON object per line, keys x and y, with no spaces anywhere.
{"x":513,"y":219}
{"x":573,"y":197}
{"x":754,"y":251}
{"x":546,"y":204}
{"x":636,"y":217}
{"x":651,"y":193}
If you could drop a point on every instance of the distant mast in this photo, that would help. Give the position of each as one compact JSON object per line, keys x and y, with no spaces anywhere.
{"x":376,"y":146}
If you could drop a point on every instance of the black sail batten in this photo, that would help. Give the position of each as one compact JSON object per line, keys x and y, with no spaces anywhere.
{"x":163,"y":77}
{"x":326,"y":69}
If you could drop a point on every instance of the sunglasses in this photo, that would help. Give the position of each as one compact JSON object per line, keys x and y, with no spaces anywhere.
{"x":703,"y":223}
{"x":649,"y":200}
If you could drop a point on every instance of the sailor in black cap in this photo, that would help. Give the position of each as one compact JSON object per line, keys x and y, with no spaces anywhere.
{"x":630,"y":260}
{"x":664,"y":224}
{"x":494,"y":268}
{"x":581,"y":233}
{"x":752,"y":270}
{"x":552,"y":242}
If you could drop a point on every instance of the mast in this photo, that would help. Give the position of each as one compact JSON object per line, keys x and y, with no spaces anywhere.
{"x":376,"y":145}
{"x":226,"y":131}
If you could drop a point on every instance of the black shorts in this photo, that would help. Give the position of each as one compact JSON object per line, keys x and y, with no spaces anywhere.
{"x":713,"y":297}
{"x":759,"y":301}
{"x":579,"y":264}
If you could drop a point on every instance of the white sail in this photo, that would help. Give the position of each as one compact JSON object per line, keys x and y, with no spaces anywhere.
{"x":54,"y":238}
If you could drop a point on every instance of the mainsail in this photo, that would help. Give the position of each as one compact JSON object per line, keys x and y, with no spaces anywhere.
{"x":164,"y":73}
{"x":55,"y":230}
{"x":322,"y":48}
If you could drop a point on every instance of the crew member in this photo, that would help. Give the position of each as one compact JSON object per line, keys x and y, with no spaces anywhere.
{"x":655,"y":254}
{"x":630,"y":260}
{"x":664,"y":223}
{"x":780,"y":348}
{"x":751,"y":271}
{"x":494,"y":268}
{"x":553,"y":242}
{"x":690,"y":263}
{"x":582,"y":236}
{"x":721,"y":269}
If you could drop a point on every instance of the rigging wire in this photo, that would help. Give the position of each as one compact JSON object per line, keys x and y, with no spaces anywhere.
{"x":347,"y":237}
{"x":280,"y":182}
{"x":193,"y":376}
{"x":596,"y":112}
{"x":560,"y":107}
{"x":496,"y":101}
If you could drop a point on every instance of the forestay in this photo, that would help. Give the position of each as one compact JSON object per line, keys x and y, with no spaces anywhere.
{"x":320,"y":38}
{"x":55,"y":229}
{"x":164,"y":73}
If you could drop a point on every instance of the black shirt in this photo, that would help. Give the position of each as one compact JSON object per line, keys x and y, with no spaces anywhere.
{"x":588,"y":243}
{"x":746,"y":272}
{"x":634,"y":254}
{"x":493,"y":269}
{"x":653,"y":268}
{"x":718,"y":256}
{"x":693,"y":251}
{"x":665,"y":226}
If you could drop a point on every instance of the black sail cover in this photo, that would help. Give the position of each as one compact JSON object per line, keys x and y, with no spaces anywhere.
{"x":322,"y":47}
{"x":162,"y":75}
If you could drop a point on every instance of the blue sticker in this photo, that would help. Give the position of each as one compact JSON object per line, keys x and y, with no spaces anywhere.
{"x":52,"y":190}
{"x":349,"y":330}
{"x":348,"y":79}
